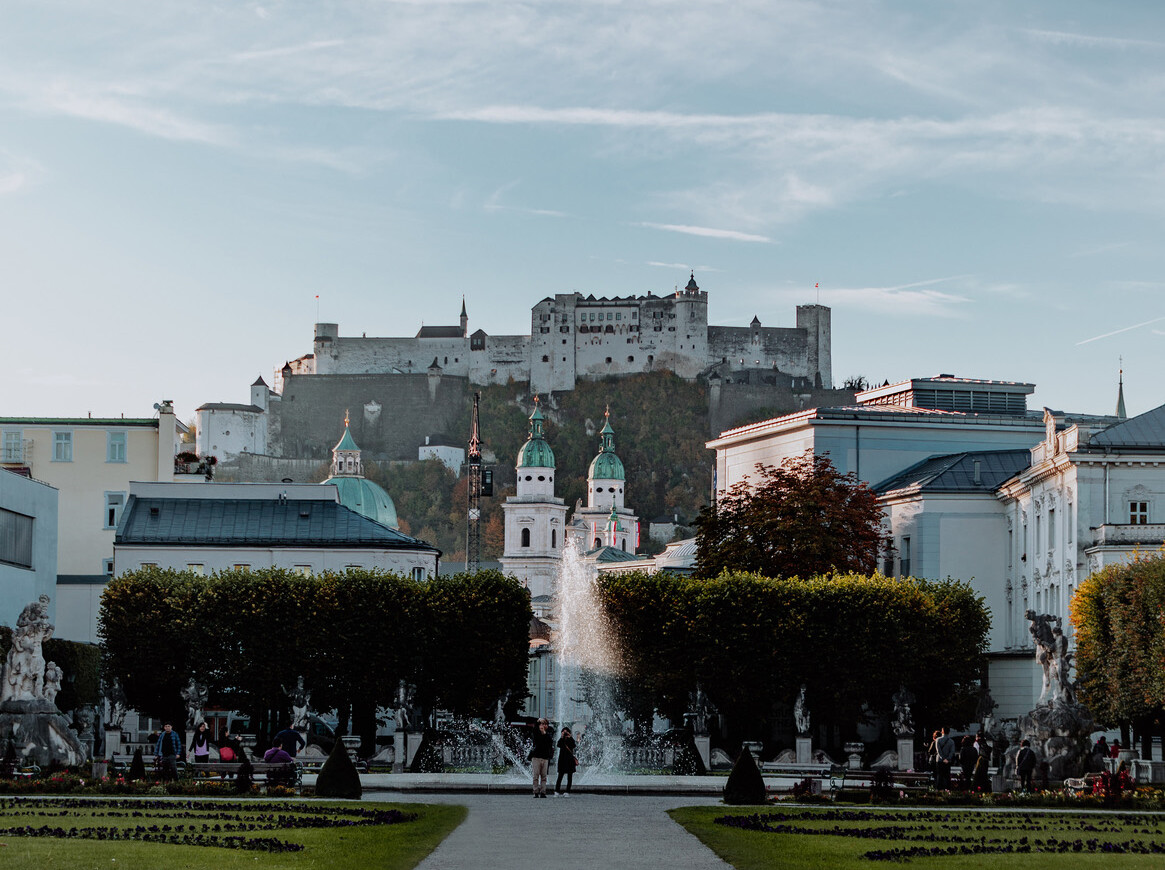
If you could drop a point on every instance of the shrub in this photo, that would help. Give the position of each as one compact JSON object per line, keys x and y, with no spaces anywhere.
{"x":137,"y":767}
{"x":339,"y":777}
{"x":745,"y":784}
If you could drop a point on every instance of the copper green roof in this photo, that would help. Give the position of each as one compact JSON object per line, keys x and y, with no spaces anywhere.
{"x":606,"y":466}
{"x":536,"y":453}
{"x":367,"y":499}
{"x":346,"y":443}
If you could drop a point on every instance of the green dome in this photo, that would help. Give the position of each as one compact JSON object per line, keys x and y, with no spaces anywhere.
{"x":606,"y":466}
{"x":536,"y":453}
{"x":366,"y":498}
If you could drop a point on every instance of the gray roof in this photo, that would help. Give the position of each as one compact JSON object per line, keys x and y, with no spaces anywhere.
{"x":228,"y":406}
{"x":612,"y":554}
{"x":1145,"y":431}
{"x":255,"y":522}
{"x":440,"y":332}
{"x":955,"y":472}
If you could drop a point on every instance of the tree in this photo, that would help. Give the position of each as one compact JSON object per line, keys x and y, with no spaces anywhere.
{"x":803,"y":518}
{"x":1120,"y":643}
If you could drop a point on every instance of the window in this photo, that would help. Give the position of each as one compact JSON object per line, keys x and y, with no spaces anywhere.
{"x":598,"y":543}
{"x":1051,"y":529}
{"x":418,"y":573}
{"x":196,"y":568}
{"x":630,"y":359}
{"x":302,"y":570}
{"x":1138,"y":513}
{"x":114,"y":502}
{"x":525,"y":537}
{"x":107,"y":567}
{"x":115,"y":447}
{"x":545,"y":358}
{"x":904,"y":558}
{"x":15,"y":539}
{"x":13,"y":447}
{"x":62,"y":447}
{"x":241,"y":566}
{"x":553,"y":538}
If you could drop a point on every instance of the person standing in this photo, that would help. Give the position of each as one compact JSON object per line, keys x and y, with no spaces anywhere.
{"x":946,"y":750}
{"x":200,"y":745}
{"x":167,"y":752}
{"x":540,"y":754}
{"x":968,"y":755}
{"x":1025,"y":763}
{"x":290,"y":740}
{"x":567,"y":763}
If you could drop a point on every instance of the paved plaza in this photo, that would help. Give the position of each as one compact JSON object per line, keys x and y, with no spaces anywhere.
{"x":513,"y":830}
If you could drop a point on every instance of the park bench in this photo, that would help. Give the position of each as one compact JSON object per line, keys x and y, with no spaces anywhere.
{"x":289,"y":773}
{"x":1081,"y":784}
{"x":120,"y":763}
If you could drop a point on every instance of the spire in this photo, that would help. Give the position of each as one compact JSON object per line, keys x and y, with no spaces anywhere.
{"x":464,"y":319}
{"x":346,"y":455}
{"x":1120,"y":396}
{"x":692,"y":286}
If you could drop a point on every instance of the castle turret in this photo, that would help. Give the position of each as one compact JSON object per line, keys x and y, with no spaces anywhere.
{"x":605,"y":521}
{"x":356,"y":492}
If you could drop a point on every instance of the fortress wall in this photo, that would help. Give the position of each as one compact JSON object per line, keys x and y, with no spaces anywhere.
{"x":787,"y":348}
{"x":348,"y":356}
{"x":729,"y":404}
{"x":313,"y":407}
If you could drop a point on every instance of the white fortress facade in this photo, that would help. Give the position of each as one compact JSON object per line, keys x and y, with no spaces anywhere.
{"x":575,"y":337}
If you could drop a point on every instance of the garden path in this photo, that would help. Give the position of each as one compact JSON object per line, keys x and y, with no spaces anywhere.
{"x":583,"y":831}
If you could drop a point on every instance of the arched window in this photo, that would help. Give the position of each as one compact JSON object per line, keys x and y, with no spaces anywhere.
{"x":623,"y":546}
{"x":553,"y":538}
{"x":525,"y":537}
{"x":598,"y":543}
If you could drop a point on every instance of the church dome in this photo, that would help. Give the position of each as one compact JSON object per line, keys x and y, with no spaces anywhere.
{"x":607,"y":466}
{"x":357,"y":493}
{"x":367,"y":499}
{"x":536,"y":453}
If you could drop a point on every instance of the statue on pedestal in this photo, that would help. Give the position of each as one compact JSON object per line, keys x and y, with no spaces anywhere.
{"x":195,"y":697}
{"x":300,"y":698}
{"x":28,"y":690}
{"x":801,"y":713}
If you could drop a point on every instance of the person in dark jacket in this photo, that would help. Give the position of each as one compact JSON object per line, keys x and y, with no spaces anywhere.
{"x":167,"y":752}
{"x":567,"y":763}
{"x":968,"y":755}
{"x":540,"y":754}
{"x":200,"y":744}
{"x":946,"y":749}
{"x":290,"y":740}
{"x":1025,"y":763}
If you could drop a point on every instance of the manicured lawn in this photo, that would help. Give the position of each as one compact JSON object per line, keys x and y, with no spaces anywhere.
{"x":115,"y":832}
{"x":843,"y":837}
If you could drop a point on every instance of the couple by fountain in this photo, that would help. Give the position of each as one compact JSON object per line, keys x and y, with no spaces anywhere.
{"x":543,"y":751}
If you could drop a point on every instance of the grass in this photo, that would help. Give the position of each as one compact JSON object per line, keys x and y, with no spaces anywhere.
{"x":331,"y":836}
{"x":839,"y":838}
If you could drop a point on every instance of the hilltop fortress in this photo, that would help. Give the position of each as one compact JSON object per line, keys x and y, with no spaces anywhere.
{"x":403,"y":390}
{"x":576,"y":337}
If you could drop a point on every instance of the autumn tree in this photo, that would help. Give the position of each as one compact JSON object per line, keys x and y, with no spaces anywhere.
{"x":802,"y":518}
{"x":1120,"y":645}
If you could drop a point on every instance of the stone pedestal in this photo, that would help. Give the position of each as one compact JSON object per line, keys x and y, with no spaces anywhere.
{"x":40,"y":733}
{"x":804,"y":750}
{"x":412,"y":744}
{"x":905,"y":752}
{"x":704,"y":748}
{"x":854,"y":751}
{"x":112,"y":743}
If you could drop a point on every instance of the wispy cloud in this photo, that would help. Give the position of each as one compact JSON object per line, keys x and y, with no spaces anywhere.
{"x":12,"y":182}
{"x":286,"y":50}
{"x":1083,"y":40}
{"x":914,"y":299}
{"x":1119,"y":331}
{"x":707,"y":232}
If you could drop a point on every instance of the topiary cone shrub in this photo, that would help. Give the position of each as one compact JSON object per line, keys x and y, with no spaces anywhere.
{"x":246,"y":775}
{"x":339,"y":777}
{"x":745,"y":784}
{"x":137,"y":767}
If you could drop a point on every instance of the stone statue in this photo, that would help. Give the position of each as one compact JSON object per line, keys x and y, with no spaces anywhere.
{"x":401,"y":715}
{"x":801,"y":713}
{"x":902,"y":722}
{"x":28,"y":693}
{"x":52,"y":682}
{"x":300,"y":705}
{"x":1052,"y":654}
{"x":117,"y":706}
{"x":23,"y":678}
{"x":195,"y":697}
{"x":700,"y":720}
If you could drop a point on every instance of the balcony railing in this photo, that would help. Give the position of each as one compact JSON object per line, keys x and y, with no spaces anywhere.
{"x":1150,"y":534}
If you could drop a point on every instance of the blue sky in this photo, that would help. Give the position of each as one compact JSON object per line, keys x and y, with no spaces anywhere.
{"x":978,"y":187}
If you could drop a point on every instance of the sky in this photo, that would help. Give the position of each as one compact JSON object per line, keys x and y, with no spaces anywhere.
{"x":974,"y":188}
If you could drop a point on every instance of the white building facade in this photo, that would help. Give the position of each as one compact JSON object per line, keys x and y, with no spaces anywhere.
{"x":28,"y":543}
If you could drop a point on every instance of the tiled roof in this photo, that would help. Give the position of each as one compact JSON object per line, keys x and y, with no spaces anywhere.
{"x":440,"y":332}
{"x":255,"y":522}
{"x":955,"y":472}
{"x":612,"y":554}
{"x":1145,"y":431}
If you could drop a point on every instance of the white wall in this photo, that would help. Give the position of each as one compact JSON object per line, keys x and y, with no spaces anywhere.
{"x":19,"y":585}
